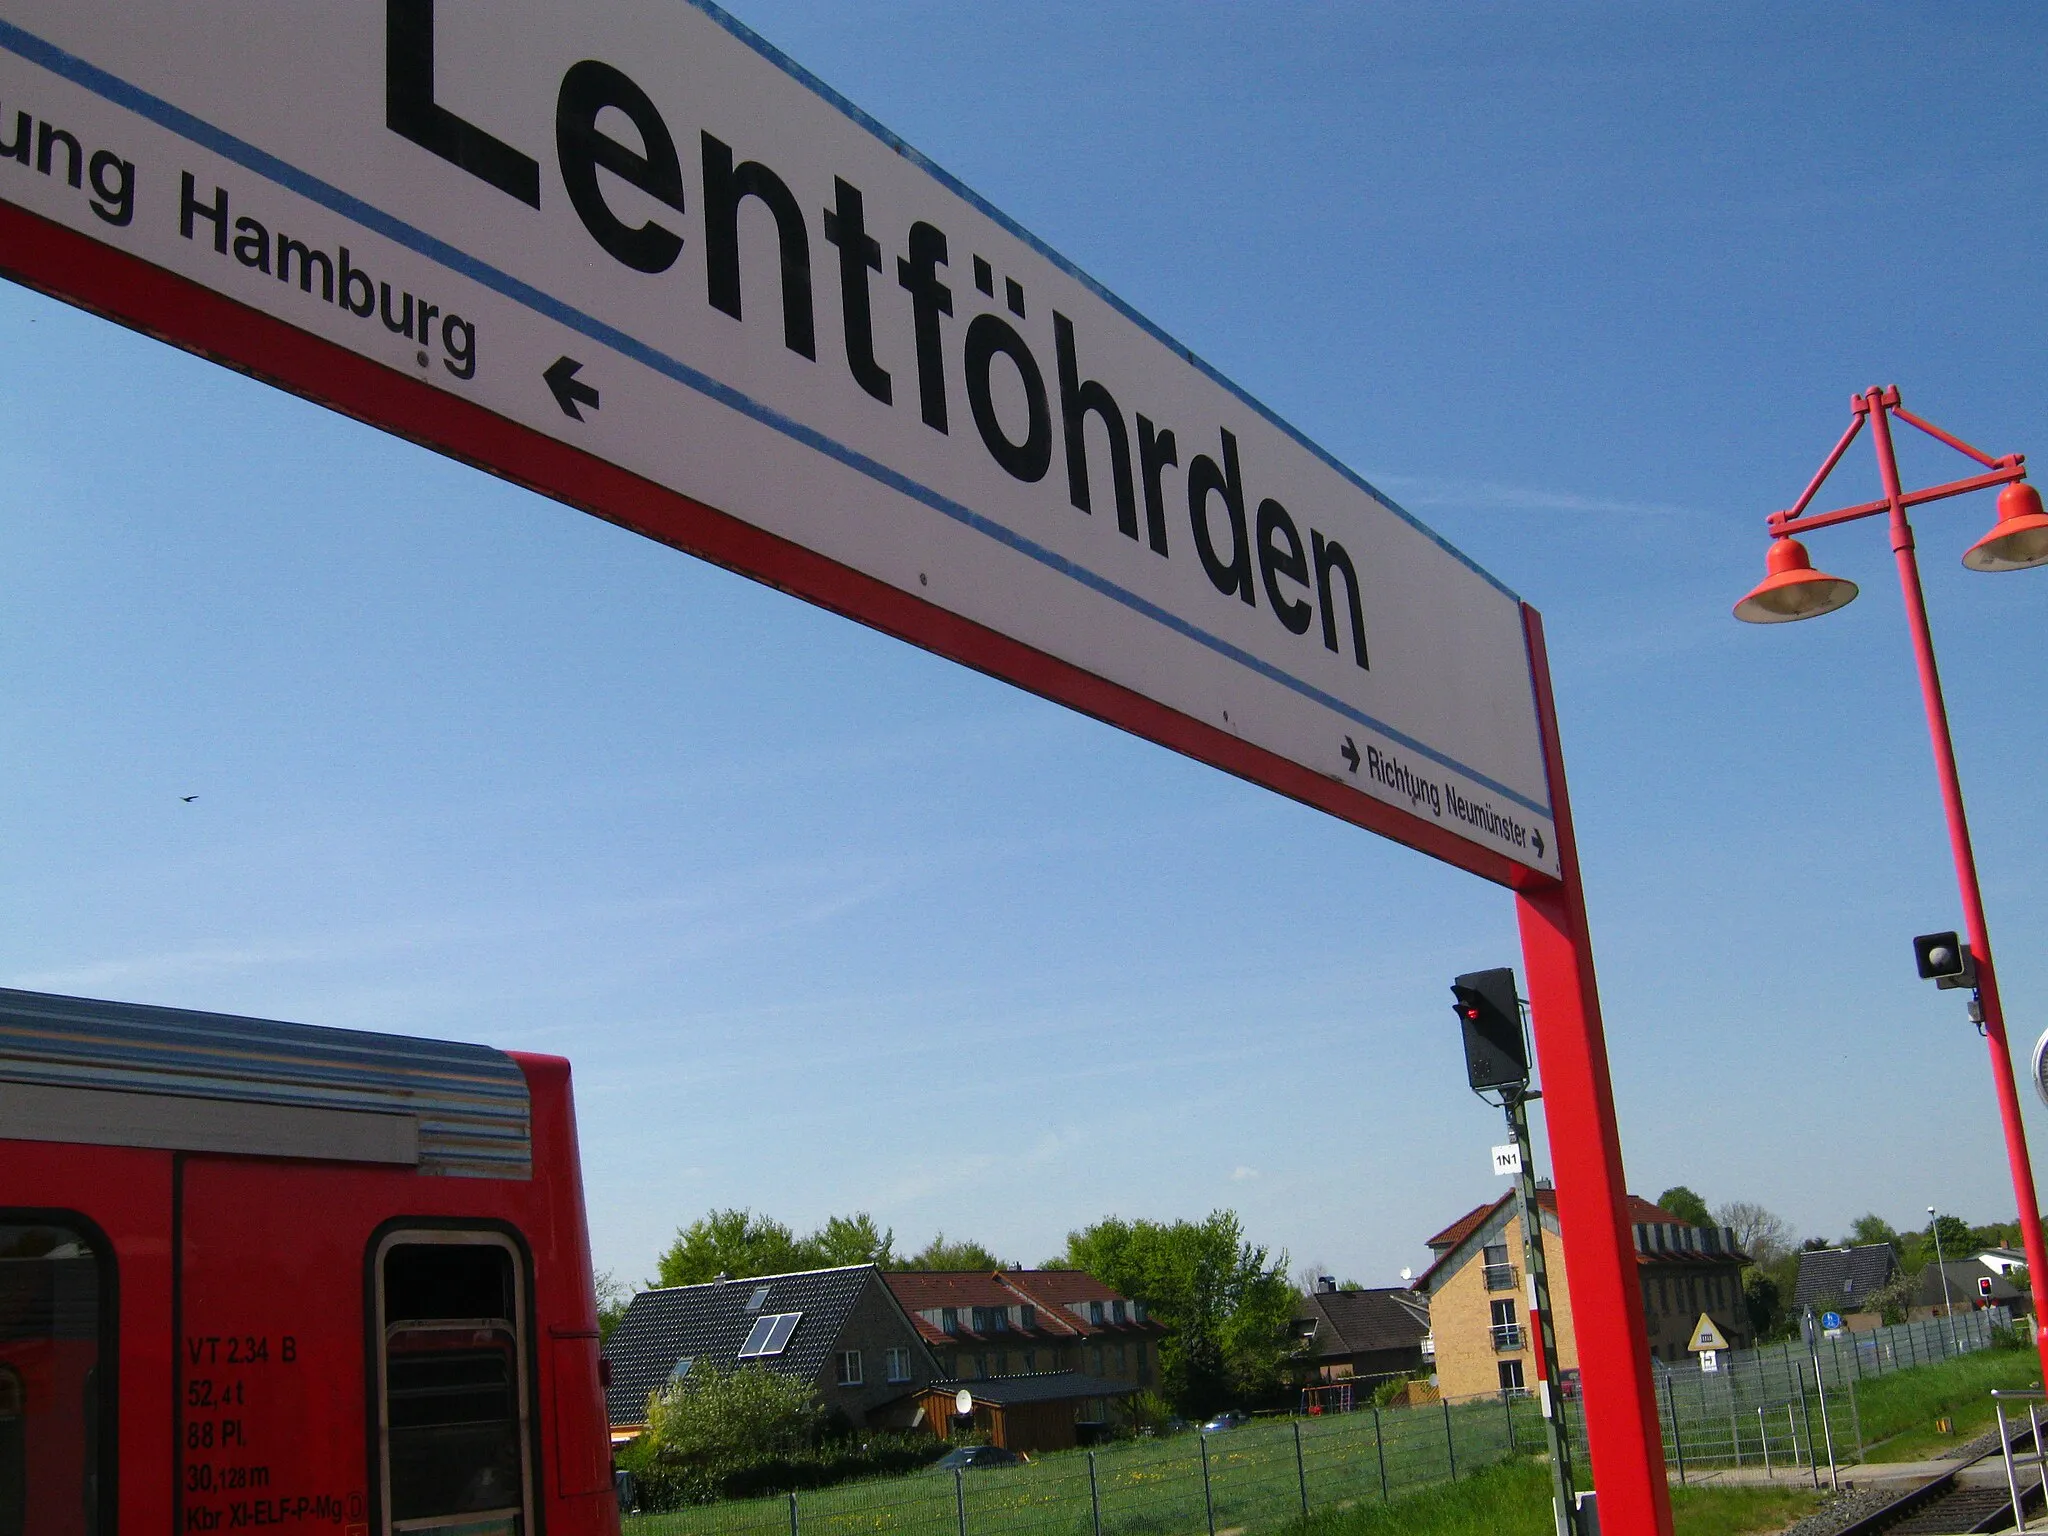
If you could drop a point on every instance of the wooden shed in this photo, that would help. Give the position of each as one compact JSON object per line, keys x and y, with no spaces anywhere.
{"x":1045,"y":1411}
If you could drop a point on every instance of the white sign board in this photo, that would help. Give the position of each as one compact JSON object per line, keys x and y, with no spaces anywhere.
{"x":1709,"y":1360}
{"x":630,"y":255}
{"x":1507,"y":1160}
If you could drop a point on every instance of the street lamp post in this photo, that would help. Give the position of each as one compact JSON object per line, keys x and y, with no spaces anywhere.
{"x":1793,"y":589}
{"x":1948,"y":1302}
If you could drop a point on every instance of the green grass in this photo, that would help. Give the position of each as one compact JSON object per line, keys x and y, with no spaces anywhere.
{"x":1514,"y":1500}
{"x":1899,"y":1411}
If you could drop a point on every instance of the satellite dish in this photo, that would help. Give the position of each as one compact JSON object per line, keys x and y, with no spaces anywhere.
{"x":963,"y":1402}
{"x":2041,"y":1067}
{"x":1407,"y":1273}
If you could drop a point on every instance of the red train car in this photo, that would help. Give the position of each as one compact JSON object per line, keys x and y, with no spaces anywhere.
{"x":258,"y":1276}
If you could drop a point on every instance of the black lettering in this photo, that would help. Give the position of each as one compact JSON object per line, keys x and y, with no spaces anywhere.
{"x":1078,"y":400}
{"x":1280,"y":554}
{"x":286,"y":245}
{"x":587,"y":89}
{"x":726,"y":186}
{"x":917,"y":274}
{"x":47,"y":140}
{"x":353,"y":276}
{"x":458,"y":340}
{"x":1156,"y":450}
{"x":411,"y":113}
{"x":189,"y":208}
{"x":1235,"y":574}
{"x":426,"y":326}
{"x":402,"y":325}
{"x":1330,"y":556}
{"x":113,"y":195}
{"x":24,"y":131}
{"x":986,"y":336}
{"x":252,"y":245}
{"x":859,"y":254}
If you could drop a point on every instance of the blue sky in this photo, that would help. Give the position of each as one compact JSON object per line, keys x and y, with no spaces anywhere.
{"x":826,"y":924}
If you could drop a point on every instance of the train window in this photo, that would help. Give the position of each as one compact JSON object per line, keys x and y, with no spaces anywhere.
{"x":56,"y":1317}
{"x":453,"y":1368}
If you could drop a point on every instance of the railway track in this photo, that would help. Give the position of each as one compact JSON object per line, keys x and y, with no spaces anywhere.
{"x":1948,"y":1506}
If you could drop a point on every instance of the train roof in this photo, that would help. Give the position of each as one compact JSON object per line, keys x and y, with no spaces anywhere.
{"x":130,"y":1074}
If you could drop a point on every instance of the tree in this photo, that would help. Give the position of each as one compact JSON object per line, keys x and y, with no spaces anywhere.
{"x":1225,"y":1306}
{"x":941,"y":1254}
{"x":1893,"y":1300}
{"x":1871,"y":1228}
{"x":1758,"y":1233}
{"x":851,"y":1240}
{"x":735,"y":1243}
{"x":612,"y":1300}
{"x":715,"y":1420}
{"x":1685,"y":1205}
{"x":1762,"y":1299}
{"x":1954,"y":1233}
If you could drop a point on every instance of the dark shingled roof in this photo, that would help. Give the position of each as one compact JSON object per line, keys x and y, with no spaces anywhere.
{"x":710,"y":1322}
{"x":1845,"y":1275}
{"x":1356,"y":1322}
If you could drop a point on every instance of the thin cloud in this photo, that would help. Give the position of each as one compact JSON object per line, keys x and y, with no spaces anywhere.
{"x":1419,"y":491}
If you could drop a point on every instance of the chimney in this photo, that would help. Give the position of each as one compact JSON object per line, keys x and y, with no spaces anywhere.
{"x":1327,"y":1284}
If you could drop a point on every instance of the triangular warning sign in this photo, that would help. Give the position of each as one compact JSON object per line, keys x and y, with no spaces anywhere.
{"x":1705,"y":1335}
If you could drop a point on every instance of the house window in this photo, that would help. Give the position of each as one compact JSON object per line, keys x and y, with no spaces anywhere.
{"x":897,"y":1363}
{"x":1507,"y":1334}
{"x":949,"y":1319}
{"x":1095,"y":1313}
{"x":1500,"y":1274}
{"x":1095,"y":1361}
{"x":1027,"y":1318}
{"x":849,"y":1368}
{"x":1138,"y":1310}
{"x":992,"y":1364}
{"x":755,"y":1301}
{"x":1116,"y":1312}
{"x":1030,"y":1361}
{"x":1510,"y":1375}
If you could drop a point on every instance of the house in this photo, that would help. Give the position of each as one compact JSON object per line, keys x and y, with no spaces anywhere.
{"x":2001,"y":1261}
{"x":840,"y":1329}
{"x":982,"y":1324}
{"x":1970,"y":1285}
{"x":1364,"y":1335}
{"x":1477,"y":1292}
{"x":1044,"y":1411}
{"x":1843,"y":1279}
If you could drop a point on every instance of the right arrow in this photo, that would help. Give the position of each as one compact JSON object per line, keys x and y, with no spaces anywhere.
{"x":568,"y":390}
{"x":1349,"y":752}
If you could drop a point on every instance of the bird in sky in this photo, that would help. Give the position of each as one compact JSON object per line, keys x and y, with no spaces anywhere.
{"x":188,"y":799}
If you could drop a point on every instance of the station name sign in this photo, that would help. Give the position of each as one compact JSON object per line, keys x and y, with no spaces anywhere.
{"x":638,"y":233}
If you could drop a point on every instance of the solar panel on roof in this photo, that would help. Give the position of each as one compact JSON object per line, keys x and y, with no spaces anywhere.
{"x":769,"y":1335}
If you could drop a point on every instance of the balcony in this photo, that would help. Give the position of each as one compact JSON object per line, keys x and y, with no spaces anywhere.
{"x":1507,"y":1337}
{"x":1500,"y":1277}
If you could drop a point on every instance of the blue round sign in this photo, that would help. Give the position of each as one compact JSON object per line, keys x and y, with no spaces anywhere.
{"x":1831,"y":1320}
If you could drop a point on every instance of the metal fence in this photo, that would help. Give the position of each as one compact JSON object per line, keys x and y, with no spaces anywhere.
{"x":1763,"y":1407}
{"x":1769,"y":1408}
{"x":1266,"y":1474}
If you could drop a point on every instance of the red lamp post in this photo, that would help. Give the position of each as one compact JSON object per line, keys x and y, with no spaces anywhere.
{"x":1793,"y":589}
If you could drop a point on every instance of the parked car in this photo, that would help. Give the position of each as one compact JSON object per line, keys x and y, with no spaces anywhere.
{"x":1229,"y":1418}
{"x":977,"y":1456}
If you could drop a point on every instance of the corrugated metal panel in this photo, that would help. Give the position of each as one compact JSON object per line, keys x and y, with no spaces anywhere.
{"x":471,"y":1101}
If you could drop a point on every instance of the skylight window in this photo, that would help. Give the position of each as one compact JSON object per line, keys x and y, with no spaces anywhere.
{"x":770,"y":1335}
{"x":682,"y":1368}
{"x":755,"y":1301}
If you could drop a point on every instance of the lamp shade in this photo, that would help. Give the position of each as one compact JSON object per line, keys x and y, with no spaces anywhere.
{"x":2021,"y":537}
{"x":1793,"y":589}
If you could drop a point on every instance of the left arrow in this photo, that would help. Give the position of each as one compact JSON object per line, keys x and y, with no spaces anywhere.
{"x":568,"y":390}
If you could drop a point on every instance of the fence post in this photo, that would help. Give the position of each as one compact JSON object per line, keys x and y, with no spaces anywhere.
{"x":793,"y":1526}
{"x":1734,"y":1425}
{"x":960,"y":1499}
{"x":1856,"y":1420}
{"x":1764,"y":1436}
{"x":1208,"y":1499}
{"x":1300,"y":1474}
{"x":1379,"y":1443}
{"x":1806,"y":1413}
{"x":1450,"y":1441}
{"x":1094,"y":1496}
{"x":1507,"y":1402}
{"x":1677,"y":1440}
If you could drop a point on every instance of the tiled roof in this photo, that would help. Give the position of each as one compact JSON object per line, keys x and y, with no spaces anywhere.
{"x":1641,"y":1214}
{"x":711,"y":1322}
{"x":1039,"y":1387}
{"x":1847,"y":1275}
{"x":1359,"y":1322}
{"x":1963,"y":1275}
{"x":1051,"y":1293}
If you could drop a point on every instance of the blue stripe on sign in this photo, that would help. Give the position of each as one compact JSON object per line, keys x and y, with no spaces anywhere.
{"x":239,"y":151}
